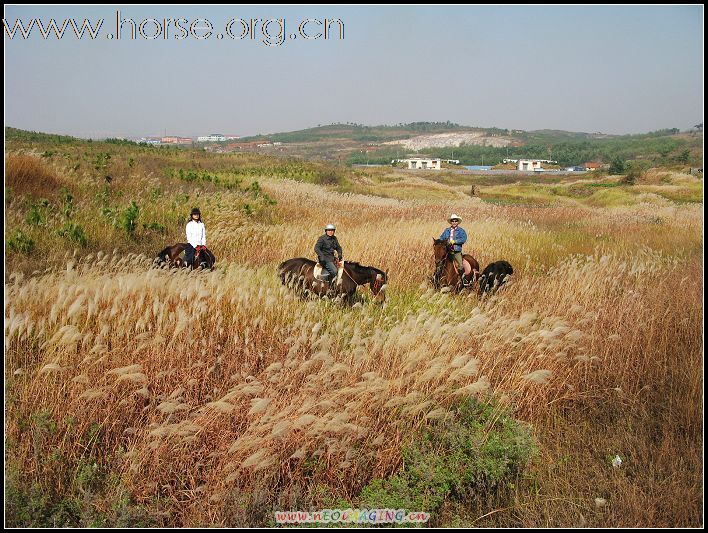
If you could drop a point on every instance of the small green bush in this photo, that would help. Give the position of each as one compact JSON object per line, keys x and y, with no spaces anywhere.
{"x":68,"y":200}
{"x":20,"y":242}
{"x":617,"y":166}
{"x":36,"y":216}
{"x":480,"y":448}
{"x":127,"y":220}
{"x":101,"y":161}
{"x":155,"y":226}
{"x":74,"y":233}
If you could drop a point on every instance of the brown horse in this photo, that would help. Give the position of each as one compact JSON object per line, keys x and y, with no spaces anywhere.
{"x":446,"y":270}
{"x":299,"y":273}
{"x":171,"y":255}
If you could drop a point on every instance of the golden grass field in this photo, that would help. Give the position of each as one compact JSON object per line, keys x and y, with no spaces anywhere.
{"x":193,"y":399}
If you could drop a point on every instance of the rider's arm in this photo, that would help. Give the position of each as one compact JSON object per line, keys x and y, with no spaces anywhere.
{"x":189,"y":231}
{"x":461,"y":236}
{"x":445,"y":235}
{"x":318,"y":248}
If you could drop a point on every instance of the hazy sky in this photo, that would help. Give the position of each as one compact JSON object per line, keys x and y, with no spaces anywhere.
{"x":578,"y":68}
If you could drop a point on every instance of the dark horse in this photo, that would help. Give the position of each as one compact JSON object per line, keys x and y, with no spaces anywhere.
{"x":446,"y":270}
{"x":299,"y":272}
{"x":171,"y":255}
{"x":494,"y":275}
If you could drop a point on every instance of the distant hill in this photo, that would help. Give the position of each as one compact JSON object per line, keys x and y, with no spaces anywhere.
{"x":16,"y":134}
{"x":362,"y":133}
{"x":357,"y":143}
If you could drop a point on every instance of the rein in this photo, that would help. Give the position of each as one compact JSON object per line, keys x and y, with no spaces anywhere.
{"x":349,"y":276}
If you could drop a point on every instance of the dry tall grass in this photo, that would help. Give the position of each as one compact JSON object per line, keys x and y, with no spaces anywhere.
{"x":214,"y":396}
{"x":27,"y":174}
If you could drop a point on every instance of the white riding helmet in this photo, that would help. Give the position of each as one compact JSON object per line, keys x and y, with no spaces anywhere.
{"x":454,"y":217}
{"x":330,"y":226}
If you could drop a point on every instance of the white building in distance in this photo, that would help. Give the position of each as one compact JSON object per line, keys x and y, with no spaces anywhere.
{"x":531,"y":164}
{"x":422,"y":163}
{"x":212,"y":137}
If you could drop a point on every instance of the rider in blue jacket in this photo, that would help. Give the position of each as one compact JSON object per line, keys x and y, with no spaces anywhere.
{"x":455,"y":237}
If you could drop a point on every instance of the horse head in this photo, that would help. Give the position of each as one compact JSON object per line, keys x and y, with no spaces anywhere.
{"x":378,"y":283}
{"x":203,"y":259}
{"x":440,"y":249}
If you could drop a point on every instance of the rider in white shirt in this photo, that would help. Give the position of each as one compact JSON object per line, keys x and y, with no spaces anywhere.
{"x":196,"y":235}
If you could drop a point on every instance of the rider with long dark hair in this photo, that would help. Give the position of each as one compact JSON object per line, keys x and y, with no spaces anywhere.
{"x":196,"y":235}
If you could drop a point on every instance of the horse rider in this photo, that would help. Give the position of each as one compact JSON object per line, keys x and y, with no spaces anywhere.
{"x":196,"y":235}
{"x":326,"y":245}
{"x":455,"y":237}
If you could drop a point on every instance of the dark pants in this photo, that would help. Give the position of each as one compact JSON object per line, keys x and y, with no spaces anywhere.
{"x":331,"y":268}
{"x":189,"y":252}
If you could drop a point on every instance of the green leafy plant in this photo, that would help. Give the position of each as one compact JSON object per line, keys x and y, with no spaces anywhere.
{"x":101,"y":161}
{"x":20,"y":242}
{"x":155,"y":226}
{"x":36,"y":216}
{"x":479,"y":448}
{"x":617,"y":166}
{"x":74,"y":233}
{"x":68,"y":203}
{"x":127,"y":219}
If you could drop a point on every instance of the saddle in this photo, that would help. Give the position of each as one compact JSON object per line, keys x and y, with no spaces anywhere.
{"x":317,"y":273}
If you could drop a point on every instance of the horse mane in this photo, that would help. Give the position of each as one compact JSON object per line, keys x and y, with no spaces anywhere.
{"x":358,"y":266}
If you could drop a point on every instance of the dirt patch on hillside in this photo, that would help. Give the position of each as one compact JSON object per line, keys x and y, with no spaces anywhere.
{"x":444,"y":140}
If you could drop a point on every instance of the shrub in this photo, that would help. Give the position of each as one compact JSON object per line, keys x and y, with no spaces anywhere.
{"x":19,"y":242}
{"x":479,"y":449}
{"x":127,"y":219}
{"x":74,"y":233}
{"x":68,"y":199}
{"x":617,"y":166}
{"x":36,"y":216}
{"x":155,"y":226}
{"x":101,"y":162}
{"x":635,"y":170}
